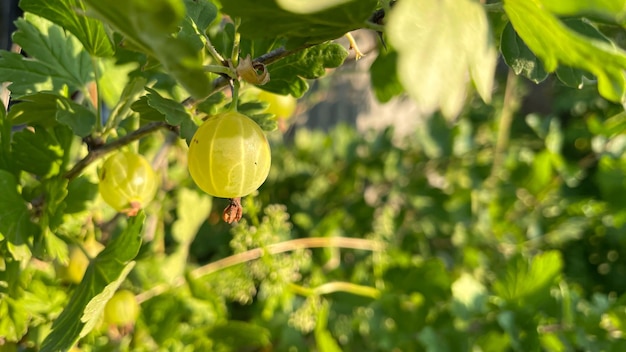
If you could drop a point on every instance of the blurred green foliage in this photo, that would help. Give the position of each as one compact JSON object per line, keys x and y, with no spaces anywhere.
{"x":500,"y":229}
{"x":525,"y":255}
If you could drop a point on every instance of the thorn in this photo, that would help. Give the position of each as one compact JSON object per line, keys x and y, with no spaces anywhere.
{"x":357,"y":53}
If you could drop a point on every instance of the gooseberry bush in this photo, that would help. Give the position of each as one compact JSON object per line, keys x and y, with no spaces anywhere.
{"x":132,"y":128}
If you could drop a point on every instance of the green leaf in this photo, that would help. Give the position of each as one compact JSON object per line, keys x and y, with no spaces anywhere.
{"x":212,"y":104}
{"x":61,"y":53}
{"x":55,"y":192}
{"x":405,"y":279}
{"x":238,"y":336}
{"x":266,"y":19}
{"x":6,"y":162}
{"x":173,"y":111}
{"x":66,"y":13}
{"x":256,"y":111}
{"x":39,"y":151}
{"x":149,"y":26}
{"x":80,"y":191}
{"x":15,"y":225}
{"x":519,"y":58}
{"x":613,"y":10}
{"x":80,"y":119}
{"x":438,"y":43}
{"x":323,"y":338}
{"x":525,"y":283}
{"x":200,"y":14}
{"x":573,"y":77}
{"x":193,"y":210}
{"x":134,"y":88}
{"x":145,"y":111}
{"x":187,"y":129}
{"x":432,"y":340}
{"x":15,"y":319}
{"x":40,"y":108}
{"x":94,"y":309}
{"x":470,"y":295}
{"x":114,"y":80}
{"x":384,"y":76}
{"x":556,"y":44}
{"x":289,"y":75}
{"x":102,"y":278}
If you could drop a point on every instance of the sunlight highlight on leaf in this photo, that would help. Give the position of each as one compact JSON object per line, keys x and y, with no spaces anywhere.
{"x":438,"y":44}
{"x":95,"y":307}
{"x":556,"y":44}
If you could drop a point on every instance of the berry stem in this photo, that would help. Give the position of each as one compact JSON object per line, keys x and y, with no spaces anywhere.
{"x":217,"y":56}
{"x":219,"y":69}
{"x":234,"y":86}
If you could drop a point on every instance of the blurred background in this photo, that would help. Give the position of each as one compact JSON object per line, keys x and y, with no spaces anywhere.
{"x":504,"y":229}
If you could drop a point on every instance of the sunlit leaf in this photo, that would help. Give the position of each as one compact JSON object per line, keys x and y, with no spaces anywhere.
{"x":528,"y":282}
{"x":15,"y":319}
{"x":149,"y":26}
{"x":438,"y":44}
{"x":556,"y":45}
{"x":614,"y":10}
{"x":70,"y":15}
{"x":38,"y":152}
{"x":103,"y":276}
{"x":306,"y":27}
{"x":56,"y":59}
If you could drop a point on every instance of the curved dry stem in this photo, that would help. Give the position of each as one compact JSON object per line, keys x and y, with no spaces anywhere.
{"x":256,"y":253}
{"x":336,"y":286}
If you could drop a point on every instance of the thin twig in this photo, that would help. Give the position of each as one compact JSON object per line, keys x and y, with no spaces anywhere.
{"x":256,"y":253}
{"x":106,"y":148}
{"x":510,"y":106}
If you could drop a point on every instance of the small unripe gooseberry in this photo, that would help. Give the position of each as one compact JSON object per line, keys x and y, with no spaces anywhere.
{"x":283,"y":106}
{"x":78,"y":261}
{"x":229,"y":155}
{"x":122,"y":309}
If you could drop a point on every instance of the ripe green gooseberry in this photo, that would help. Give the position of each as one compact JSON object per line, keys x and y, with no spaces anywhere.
{"x":283,"y":106}
{"x":122,"y":309}
{"x":229,"y":155}
{"x":127,"y":182}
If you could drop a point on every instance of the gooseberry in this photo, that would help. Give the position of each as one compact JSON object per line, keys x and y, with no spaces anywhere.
{"x":229,"y":155}
{"x":122,"y":309}
{"x":78,"y":261}
{"x":283,"y":106}
{"x":127,"y":182}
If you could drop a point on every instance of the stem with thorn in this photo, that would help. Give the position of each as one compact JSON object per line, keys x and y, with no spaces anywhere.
{"x":100,"y":151}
